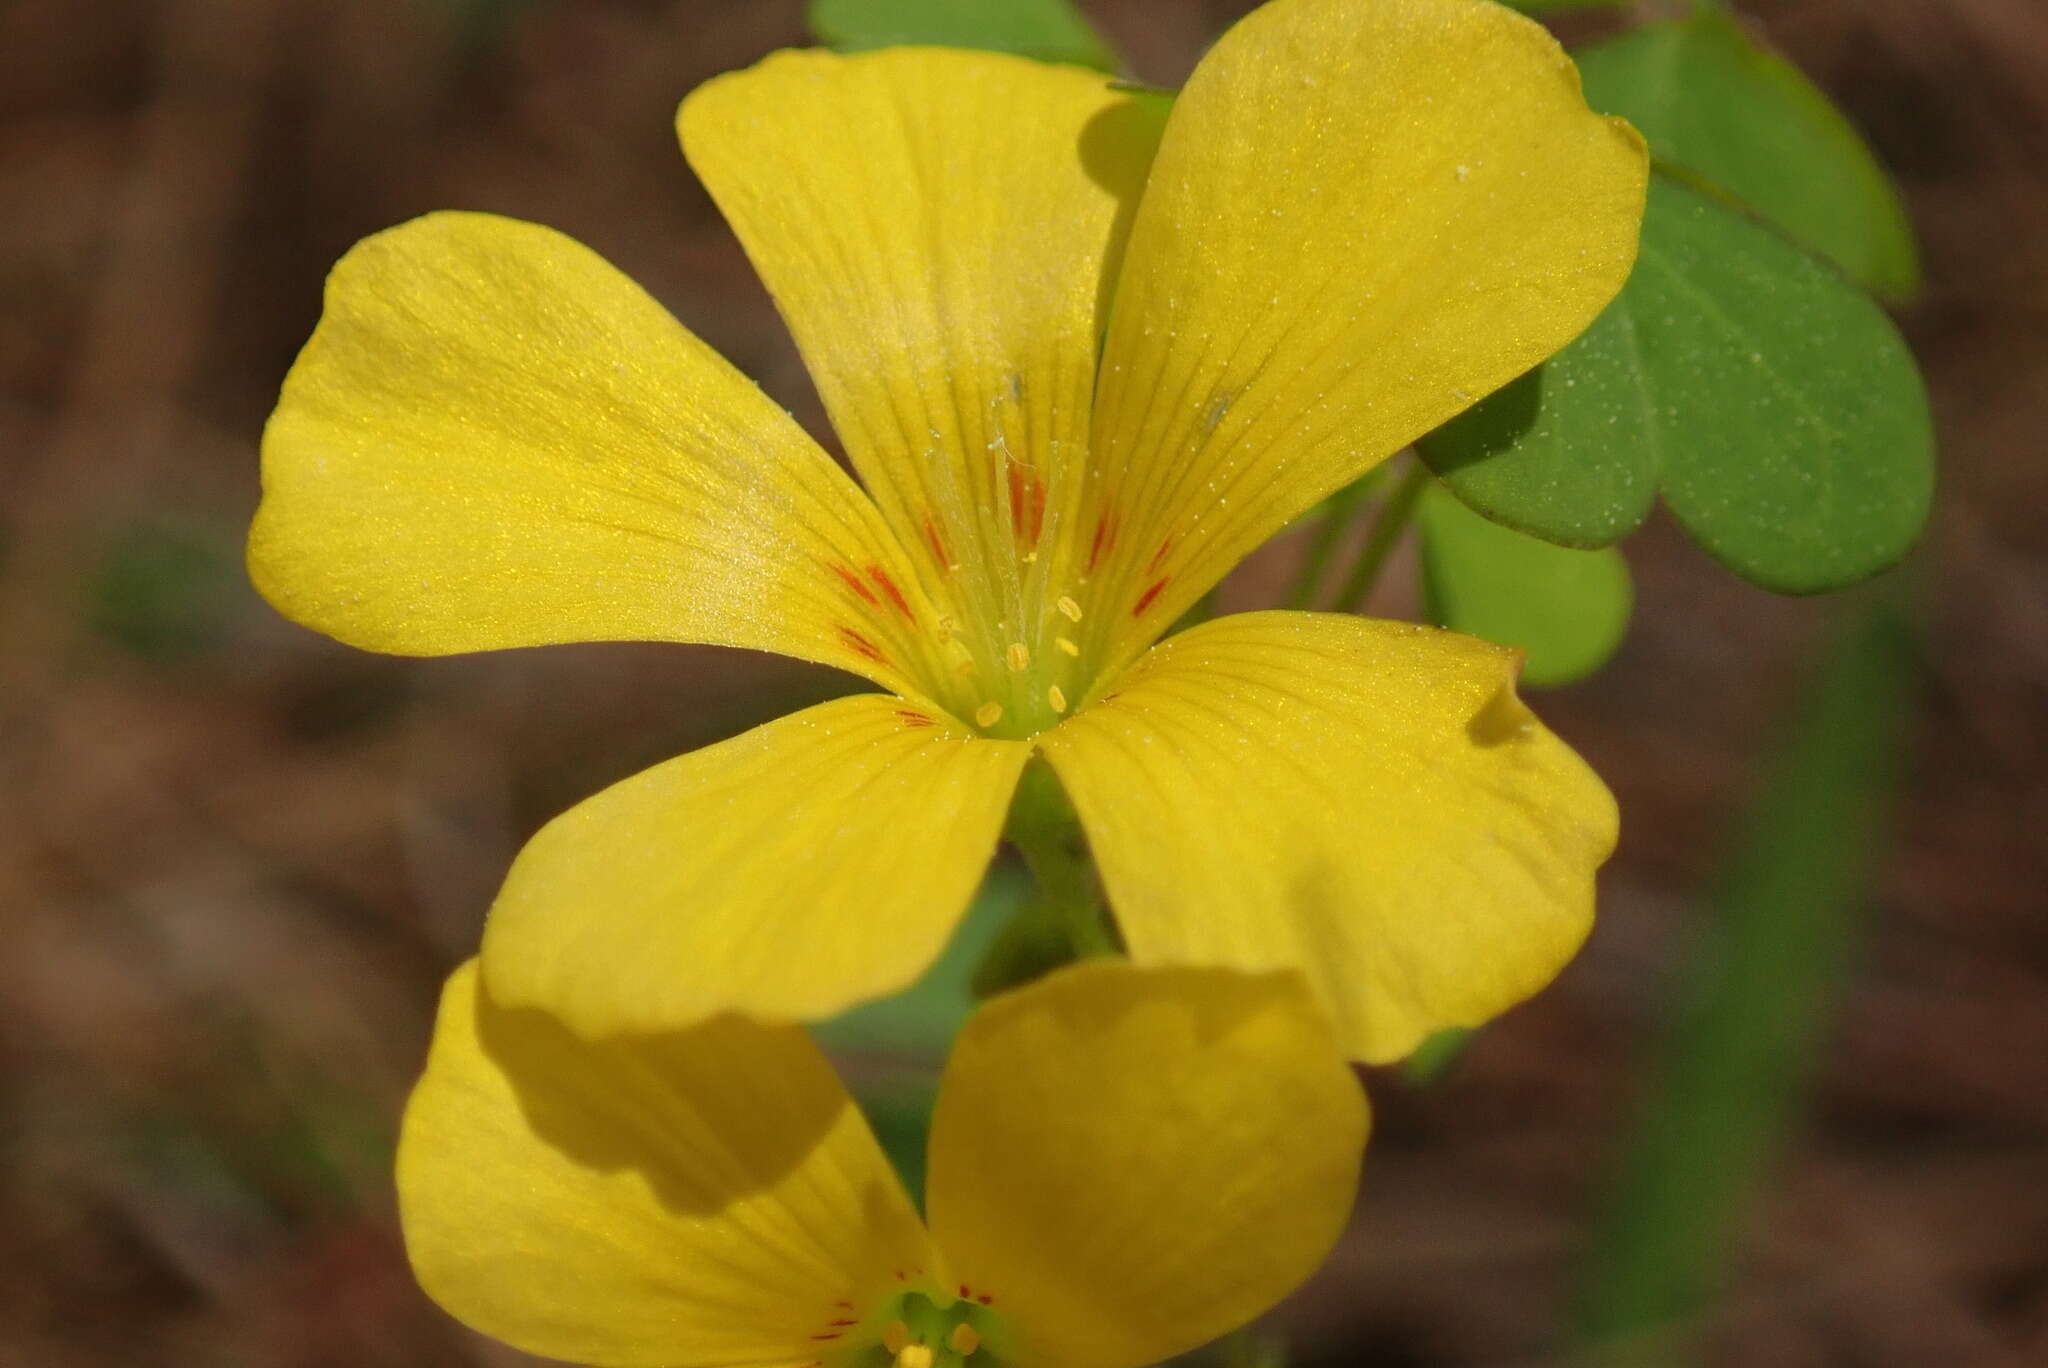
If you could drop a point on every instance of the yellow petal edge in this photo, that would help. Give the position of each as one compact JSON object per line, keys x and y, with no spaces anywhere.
{"x":495,"y":439}
{"x":1363,"y":218}
{"x":1368,"y":803}
{"x":709,"y":1196}
{"x":1133,"y":1162}
{"x":816,"y":861}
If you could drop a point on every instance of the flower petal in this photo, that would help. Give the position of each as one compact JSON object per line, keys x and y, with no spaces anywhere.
{"x":1363,"y":218}
{"x":934,"y":226}
{"x":710,"y":1196}
{"x":809,"y":864}
{"x":495,"y":439}
{"x":1367,"y":802}
{"x":1132,"y":1162}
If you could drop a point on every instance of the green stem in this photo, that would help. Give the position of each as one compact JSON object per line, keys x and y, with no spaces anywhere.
{"x":1393,"y":520}
{"x":1336,"y":521}
{"x":1047,"y":832}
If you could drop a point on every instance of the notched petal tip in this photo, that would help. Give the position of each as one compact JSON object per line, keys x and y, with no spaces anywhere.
{"x":1504,"y":717}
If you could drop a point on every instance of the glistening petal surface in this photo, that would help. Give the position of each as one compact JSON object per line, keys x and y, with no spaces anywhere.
{"x":494,"y":439}
{"x":704,"y":1197}
{"x":937,"y":227}
{"x":1133,"y":1162}
{"x":1363,"y":218}
{"x":816,"y":861}
{"x":1366,"y":802}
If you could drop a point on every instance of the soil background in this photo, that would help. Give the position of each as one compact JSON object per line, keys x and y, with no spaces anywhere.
{"x":236,"y":859}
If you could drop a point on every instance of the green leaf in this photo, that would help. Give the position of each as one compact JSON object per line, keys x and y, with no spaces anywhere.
{"x":1568,"y":610}
{"x":1711,"y":100}
{"x":1724,"y":1084}
{"x":1568,"y":452}
{"x":1798,"y":448}
{"x":1049,"y":30}
{"x":1773,"y":402}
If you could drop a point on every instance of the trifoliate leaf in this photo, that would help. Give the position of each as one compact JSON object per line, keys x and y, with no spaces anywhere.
{"x":1773,"y":402}
{"x":1710,"y":99}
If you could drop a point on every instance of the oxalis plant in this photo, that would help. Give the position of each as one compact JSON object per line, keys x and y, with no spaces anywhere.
{"x":1086,"y":345}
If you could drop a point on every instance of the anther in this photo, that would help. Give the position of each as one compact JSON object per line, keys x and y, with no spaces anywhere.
{"x":964,"y":1340}
{"x":895,"y":1336}
{"x":1071,"y":609}
{"x":988,"y":714}
{"x":1019,"y":656}
{"x":1065,"y":644}
{"x":1056,"y":698}
{"x":914,"y":1356}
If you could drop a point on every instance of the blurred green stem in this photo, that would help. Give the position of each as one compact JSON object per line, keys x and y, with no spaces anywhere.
{"x":1337,"y":512}
{"x":1396,"y":511}
{"x":1724,"y":1083}
{"x":1065,"y":918}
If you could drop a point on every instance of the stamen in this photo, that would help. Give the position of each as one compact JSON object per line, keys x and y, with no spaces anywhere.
{"x":1056,"y":698}
{"x":988,"y":714}
{"x":1070,"y":609}
{"x":895,"y":1336}
{"x":914,"y":1356}
{"x":1066,"y":644}
{"x":1019,"y":656}
{"x":964,"y":1340}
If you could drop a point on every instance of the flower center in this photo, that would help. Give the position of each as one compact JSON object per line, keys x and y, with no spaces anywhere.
{"x":1026,"y":581}
{"x":915,"y":1330}
{"x":1014,"y":654}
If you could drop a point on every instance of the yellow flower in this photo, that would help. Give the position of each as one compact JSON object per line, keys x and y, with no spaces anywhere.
{"x":1124,"y":1164}
{"x":1073,"y":409}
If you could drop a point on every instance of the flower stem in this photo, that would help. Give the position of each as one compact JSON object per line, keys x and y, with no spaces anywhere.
{"x":1386,"y":532}
{"x":1066,"y":917}
{"x":1336,"y":521}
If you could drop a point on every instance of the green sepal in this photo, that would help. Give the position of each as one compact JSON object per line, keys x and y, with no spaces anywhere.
{"x":1436,"y":1056}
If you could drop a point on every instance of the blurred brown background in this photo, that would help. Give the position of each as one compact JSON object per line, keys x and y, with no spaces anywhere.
{"x":236,"y":859}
